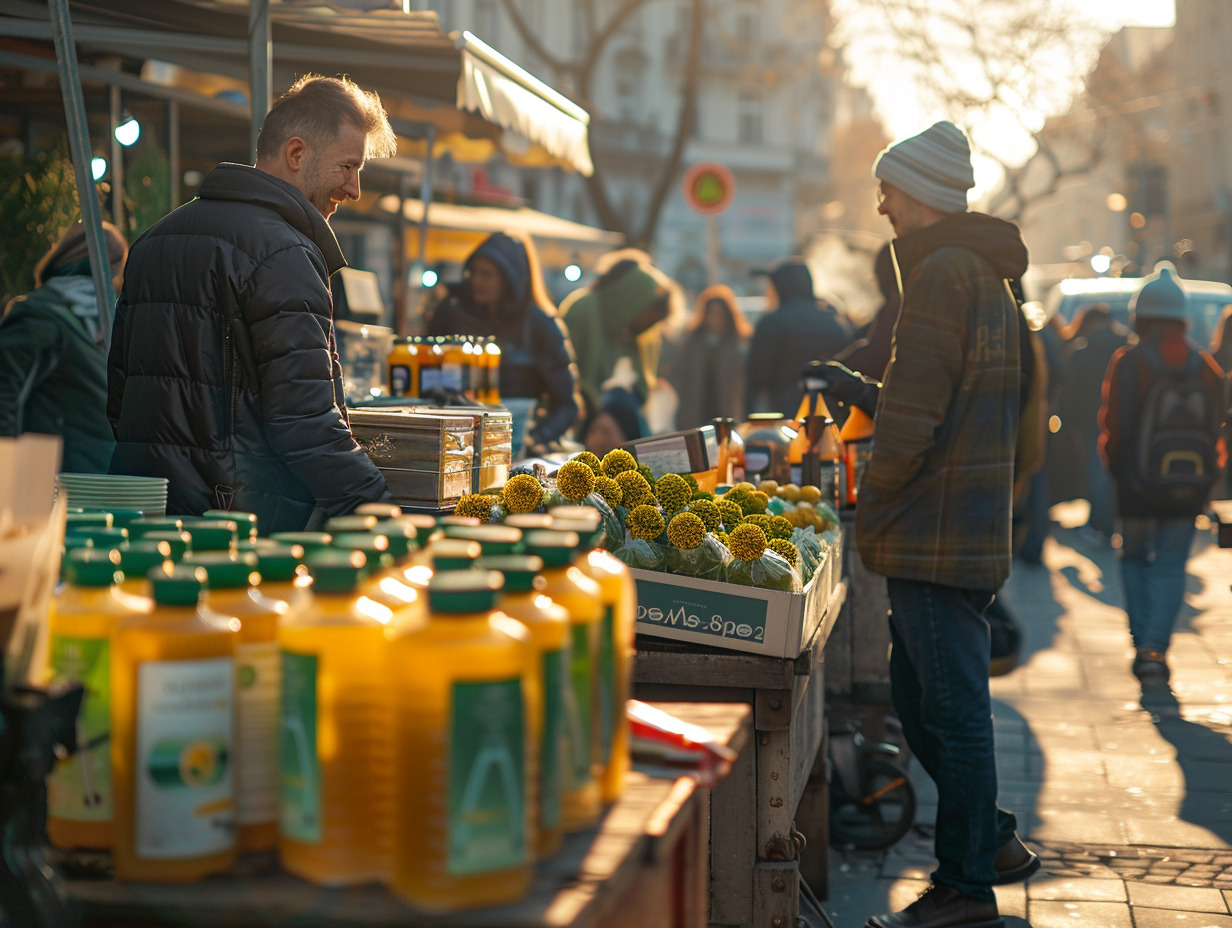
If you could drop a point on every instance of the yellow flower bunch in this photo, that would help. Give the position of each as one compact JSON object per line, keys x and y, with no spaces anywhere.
{"x":761,"y":520}
{"x":724,"y":539}
{"x":575,"y":480}
{"x":645,"y":471}
{"x":609,"y":489}
{"x":635,"y":489}
{"x":523,"y":493}
{"x":591,"y":460}
{"x":617,"y":461}
{"x":780,"y":527}
{"x":708,"y":512}
{"x":703,"y":494}
{"x":758,"y":501}
{"x":476,"y":506}
{"x":786,"y":549}
{"x":644,"y":522}
{"x":691,"y":481}
{"x":730,"y":512}
{"x":686,"y":530}
{"x":747,"y":542}
{"x":672,"y":491}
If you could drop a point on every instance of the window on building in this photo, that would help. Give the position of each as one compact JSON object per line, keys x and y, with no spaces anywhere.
{"x":749,"y":119}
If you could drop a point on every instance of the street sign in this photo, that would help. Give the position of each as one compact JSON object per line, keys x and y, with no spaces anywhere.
{"x":709,"y":187}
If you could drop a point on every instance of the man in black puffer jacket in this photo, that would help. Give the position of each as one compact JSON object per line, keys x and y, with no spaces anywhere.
{"x":223,"y":375}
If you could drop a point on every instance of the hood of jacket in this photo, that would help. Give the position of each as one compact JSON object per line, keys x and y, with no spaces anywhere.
{"x":623,"y":299}
{"x":792,"y":279}
{"x":996,"y":241}
{"x":244,"y":184}
{"x":78,"y":293}
{"x":509,"y":256}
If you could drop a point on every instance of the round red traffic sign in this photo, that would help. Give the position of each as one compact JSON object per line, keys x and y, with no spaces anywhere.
{"x":709,"y":187}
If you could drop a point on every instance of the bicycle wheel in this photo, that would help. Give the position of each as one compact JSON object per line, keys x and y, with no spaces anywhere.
{"x":881,"y":815}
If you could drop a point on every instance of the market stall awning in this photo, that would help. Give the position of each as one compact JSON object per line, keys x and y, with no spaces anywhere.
{"x":476,"y":99}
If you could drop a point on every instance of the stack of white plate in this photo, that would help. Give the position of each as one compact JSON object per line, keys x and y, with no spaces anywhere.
{"x":114,"y":491}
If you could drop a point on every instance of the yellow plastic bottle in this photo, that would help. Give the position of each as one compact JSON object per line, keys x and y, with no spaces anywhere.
{"x":234,"y":598}
{"x":284,"y":577}
{"x":398,"y":364}
{"x":245,"y":522}
{"x":453,"y":365}
{"x":617,"y":650}
{"x":492,"y":539}
{"x":548,"y":624}
{"x":178,"y":541}
{"x":492,"y":358}
{"x":335,"y":751}
{"x":582,"y":597}
{"x":83,"y":613}
{"x":139,"y":528}
{"x":212,"y":534}
{"x":430,"y":354}
{"x":464,"y":831}
{"x":137,"y":559}
{"x":172,"y":737}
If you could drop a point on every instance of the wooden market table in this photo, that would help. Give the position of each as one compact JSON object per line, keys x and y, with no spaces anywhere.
{"x":776,"y":794}
{"x":644,"y":865}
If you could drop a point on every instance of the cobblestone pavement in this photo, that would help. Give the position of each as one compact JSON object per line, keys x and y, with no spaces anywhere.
{"x":1125,"y":792}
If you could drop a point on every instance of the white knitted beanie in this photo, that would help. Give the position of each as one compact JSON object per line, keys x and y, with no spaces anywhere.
{"x":934,"y":167}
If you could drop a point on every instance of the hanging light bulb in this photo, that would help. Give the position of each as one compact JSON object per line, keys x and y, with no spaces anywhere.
{"x":98,"y":167}
{"x":128,"y":131}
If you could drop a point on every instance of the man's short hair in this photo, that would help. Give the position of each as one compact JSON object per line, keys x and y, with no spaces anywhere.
{"x":314,"y":109}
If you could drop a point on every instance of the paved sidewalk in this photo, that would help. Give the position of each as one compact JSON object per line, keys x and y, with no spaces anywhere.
{"x":1126,"y":794}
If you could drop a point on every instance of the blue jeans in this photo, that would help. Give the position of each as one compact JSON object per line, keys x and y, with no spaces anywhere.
{"x":939,"y":683}
{"x":1153,"y":556}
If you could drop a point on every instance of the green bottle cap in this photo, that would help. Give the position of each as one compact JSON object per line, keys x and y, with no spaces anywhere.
{"x":402,"y":537}
{"x":211,"y":534}
{"x":424,"y":523}
{"x":241,"y":519}
{"x":138,"y":557}
{"x":351,"y":524}
{"x":309,"y":541}
{"x":256,"y":544}
{"x":494,"y":539}
{"x":454,"y":554}
{"x":519,"y":570}
{"x":380,"y":510}
{"x":335,"y":570}
{"x":92,"y":567}
{"x":279,"y":564}
{"x":178,"y":543}
{"x":457,"y":521}
{"x":528,"y":521}
{"x":101,"y":519}
{"x":123,"y":518}
{"x":457,"y":592}
{"x":577,"y":514}
{"x":558,"y":549}
{"x":143,"y":526}
{"x":181,"y":586}
{"x":224,"y":570}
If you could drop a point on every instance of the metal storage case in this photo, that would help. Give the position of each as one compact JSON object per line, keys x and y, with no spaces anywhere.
{"x":427,"y":458}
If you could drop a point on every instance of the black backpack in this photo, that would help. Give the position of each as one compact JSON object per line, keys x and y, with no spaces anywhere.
{"x":1176,"y":459}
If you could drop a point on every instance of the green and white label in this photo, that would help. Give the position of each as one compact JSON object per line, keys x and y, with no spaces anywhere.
{"x":720,"y":615}
{"x":185,"y":802}
{"x":554,"y":750}
{"x":299,"y":767}
{"x":258,"y":671}
{"x":578,"y":708}
{"x":79,"y":789}
{"x":607,"y":684}
{"x":487,"y":778}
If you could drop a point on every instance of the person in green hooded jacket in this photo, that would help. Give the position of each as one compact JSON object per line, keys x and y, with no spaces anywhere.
{"x":616,"y":317}
{"x":53,"y":370}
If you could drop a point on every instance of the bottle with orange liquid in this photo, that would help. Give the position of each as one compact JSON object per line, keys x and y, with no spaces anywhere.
{"x":335,"y":751}
{"x":463,"y":826}
{"x":548,"y":624}
{"x":857,"y":437}
{"x":582,"y":597}
{"x":83,"y":613}
{"x":234,"y":598}
{"x":399,"y":364}
{"x":172,"y":737}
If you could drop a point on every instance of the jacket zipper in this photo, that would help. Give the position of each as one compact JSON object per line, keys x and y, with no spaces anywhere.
{"x":229,"y":368}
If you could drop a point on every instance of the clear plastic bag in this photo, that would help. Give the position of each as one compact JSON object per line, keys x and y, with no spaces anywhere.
{"x":768,"y":572}
{"x":642,"y":554}
{"x":811,"y":552}
{"x":708,"y":561}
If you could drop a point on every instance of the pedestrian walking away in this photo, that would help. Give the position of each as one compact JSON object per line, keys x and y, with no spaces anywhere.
{"x":935,"y":507}
{"x":1161,"y":436}
{"x":223,"y":374}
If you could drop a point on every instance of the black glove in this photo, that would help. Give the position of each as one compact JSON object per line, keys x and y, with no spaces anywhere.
{"x":842,"y":388}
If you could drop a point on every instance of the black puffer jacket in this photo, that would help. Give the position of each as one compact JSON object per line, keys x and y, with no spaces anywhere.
{"x":223,"y":375}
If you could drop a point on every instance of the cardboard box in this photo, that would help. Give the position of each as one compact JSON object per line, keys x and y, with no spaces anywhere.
{"x":734,"y":617}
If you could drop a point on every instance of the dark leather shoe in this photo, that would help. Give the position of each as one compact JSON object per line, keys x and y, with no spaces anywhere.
{"x":941,"y":907}
{"x":1015,"y":862}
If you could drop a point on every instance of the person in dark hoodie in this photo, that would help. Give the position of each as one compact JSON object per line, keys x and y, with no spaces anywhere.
{"x":502,"y":294}
{"x":935,"y":504}
{"x":798,"y":329}
{"x":53,"y":369}
{"x":223,"y":375}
